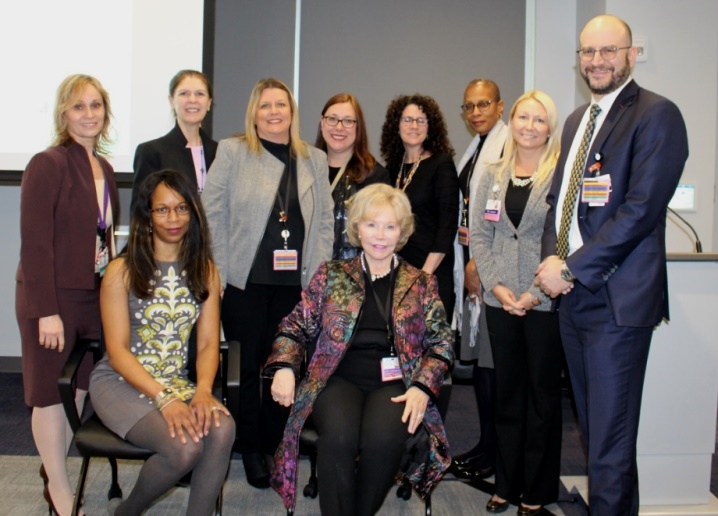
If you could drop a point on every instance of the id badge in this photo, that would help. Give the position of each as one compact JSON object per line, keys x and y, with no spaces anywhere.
{"x":102,"y":259}
{"x":493,"y":210}
{"x":596,"y":190}
{"x":286,"y":260}
{"x":464,"y":236}
{"x":390,"y":369}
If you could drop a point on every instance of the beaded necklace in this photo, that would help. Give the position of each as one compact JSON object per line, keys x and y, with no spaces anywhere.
{"x":374,"y":277}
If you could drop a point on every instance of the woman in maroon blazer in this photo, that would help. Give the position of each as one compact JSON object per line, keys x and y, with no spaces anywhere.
{"x":68,"y":204}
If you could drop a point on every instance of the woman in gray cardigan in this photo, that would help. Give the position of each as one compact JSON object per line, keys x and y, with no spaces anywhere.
{"x":269,"y":210}
{"x":508,"y":216}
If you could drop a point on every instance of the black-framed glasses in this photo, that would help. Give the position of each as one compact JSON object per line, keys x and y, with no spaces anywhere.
{"x":332,"y":121}
{"x":181,"y":210}
{"x":607,"y":53}
{"x":408,"y":120}
{"x":483,"y":106}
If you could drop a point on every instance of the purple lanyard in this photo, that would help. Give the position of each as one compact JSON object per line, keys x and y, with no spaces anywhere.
{"x":102,"y":214}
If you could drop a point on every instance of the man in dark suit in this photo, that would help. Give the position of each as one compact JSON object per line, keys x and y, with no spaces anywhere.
{"x":604,"y":250}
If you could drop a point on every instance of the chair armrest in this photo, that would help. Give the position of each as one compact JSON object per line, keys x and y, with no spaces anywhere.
{"x":66,"y":382}
{"x":231,"y":373}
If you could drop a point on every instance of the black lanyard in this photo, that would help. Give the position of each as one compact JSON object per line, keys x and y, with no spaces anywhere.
{"x":385,"y":307}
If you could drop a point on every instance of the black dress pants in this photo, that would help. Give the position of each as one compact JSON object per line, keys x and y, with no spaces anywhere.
{"x":352,"y":423}
{"x":252,"y":316}
{"x":528,"y":359}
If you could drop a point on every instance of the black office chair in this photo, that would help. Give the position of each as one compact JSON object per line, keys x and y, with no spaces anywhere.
{"x":308,"y":446}
{"x":93,"y":439}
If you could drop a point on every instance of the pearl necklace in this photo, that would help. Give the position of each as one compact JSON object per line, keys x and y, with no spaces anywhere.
{"x":374,"y":277}
{"x":524,"y":181}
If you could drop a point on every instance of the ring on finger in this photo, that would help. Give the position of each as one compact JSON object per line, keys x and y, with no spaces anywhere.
{"x":215,"y":408}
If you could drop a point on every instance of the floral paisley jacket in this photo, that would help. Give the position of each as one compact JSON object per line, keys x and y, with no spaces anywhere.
{"x":328,"y":313}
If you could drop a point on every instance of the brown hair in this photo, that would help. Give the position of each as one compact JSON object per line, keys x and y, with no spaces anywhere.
{"x":362,"y":162}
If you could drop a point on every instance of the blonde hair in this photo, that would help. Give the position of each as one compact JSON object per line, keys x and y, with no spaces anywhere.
{"x":549,"y":157}
{"x":67,"y":94}
{"x":374,"y":197}
{"x":299,"y":147}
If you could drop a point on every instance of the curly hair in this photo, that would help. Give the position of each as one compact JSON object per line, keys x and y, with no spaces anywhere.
{"x":437,"y":138}
{"x":195,"y":254}
{"x":361,"y":164}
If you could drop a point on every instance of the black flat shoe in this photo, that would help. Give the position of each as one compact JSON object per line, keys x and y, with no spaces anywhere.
{"x":474,"y":473}
{"x":495,"y":507}
{"x":526,"y":511}
{"x":256,"y":470}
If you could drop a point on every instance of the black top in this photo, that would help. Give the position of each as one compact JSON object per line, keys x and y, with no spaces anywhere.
{"x":344,"y":190}
{"x":262,"y":271}
{"x":516,"y":199}
{"x":169,"y":151}
{"x":434,"y":196}
{"x":361,"y":364}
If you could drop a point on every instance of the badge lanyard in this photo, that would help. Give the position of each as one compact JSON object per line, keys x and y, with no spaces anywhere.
{"x":465,"y":209}
{"x":202,"y":170}
{"x":284,"y":205}
{"x":102,"y":216}
{"x":385,"y":307}
{"x":340,"y":174}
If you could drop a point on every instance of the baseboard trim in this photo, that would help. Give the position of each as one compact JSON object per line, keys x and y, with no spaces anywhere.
{"x":10,"y":364}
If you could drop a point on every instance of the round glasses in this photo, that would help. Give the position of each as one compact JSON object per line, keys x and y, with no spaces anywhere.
{"x":332,"y":121}
{"x":482,"y":105}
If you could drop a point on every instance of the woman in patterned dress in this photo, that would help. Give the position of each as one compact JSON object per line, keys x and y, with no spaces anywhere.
{"x":161,"y":286}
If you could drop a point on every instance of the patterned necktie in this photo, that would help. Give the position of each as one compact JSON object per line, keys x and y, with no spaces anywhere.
{"x":569,"y":202}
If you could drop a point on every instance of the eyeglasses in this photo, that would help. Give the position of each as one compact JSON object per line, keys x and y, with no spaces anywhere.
{"x":607,"y":53}
{"x":181,"y":210}
{"x":332,"y":121}
{"x":483,"y":106}
{"x":408,"y":120}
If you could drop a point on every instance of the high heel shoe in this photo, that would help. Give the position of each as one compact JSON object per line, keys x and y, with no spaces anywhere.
{"x":43,"y":474}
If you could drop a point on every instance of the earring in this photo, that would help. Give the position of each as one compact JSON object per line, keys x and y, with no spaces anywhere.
{"x":150,"y":229}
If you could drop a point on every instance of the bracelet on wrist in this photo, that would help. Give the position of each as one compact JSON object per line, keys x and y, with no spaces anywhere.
{"x":163,"y":396}
{"x":168,"y":401}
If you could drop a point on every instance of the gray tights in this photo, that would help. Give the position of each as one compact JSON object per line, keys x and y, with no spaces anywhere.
{"x":208,"y":459}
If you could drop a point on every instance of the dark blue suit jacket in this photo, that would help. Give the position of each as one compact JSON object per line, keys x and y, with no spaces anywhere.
{"x":169,"y":151}
{"x":643,"y":145}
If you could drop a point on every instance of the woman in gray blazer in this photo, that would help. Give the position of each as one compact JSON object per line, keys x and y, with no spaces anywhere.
{"x":269,"y":210}
{"x":508,"y":220}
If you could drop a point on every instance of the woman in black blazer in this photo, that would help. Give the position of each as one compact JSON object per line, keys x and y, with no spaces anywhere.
{"x":186,"y":148}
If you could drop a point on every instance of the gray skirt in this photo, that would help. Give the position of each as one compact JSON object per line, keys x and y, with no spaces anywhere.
{"x":119,"y":405}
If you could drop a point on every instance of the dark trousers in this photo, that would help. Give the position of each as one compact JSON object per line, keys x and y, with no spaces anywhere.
{"x":607,"y":365}
{"x":252,"y":316}
{"x":352,"y":423}
{"x":528,"y":361}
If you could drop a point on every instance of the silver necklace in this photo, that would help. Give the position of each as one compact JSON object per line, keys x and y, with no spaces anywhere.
{"x":374,"y":277}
